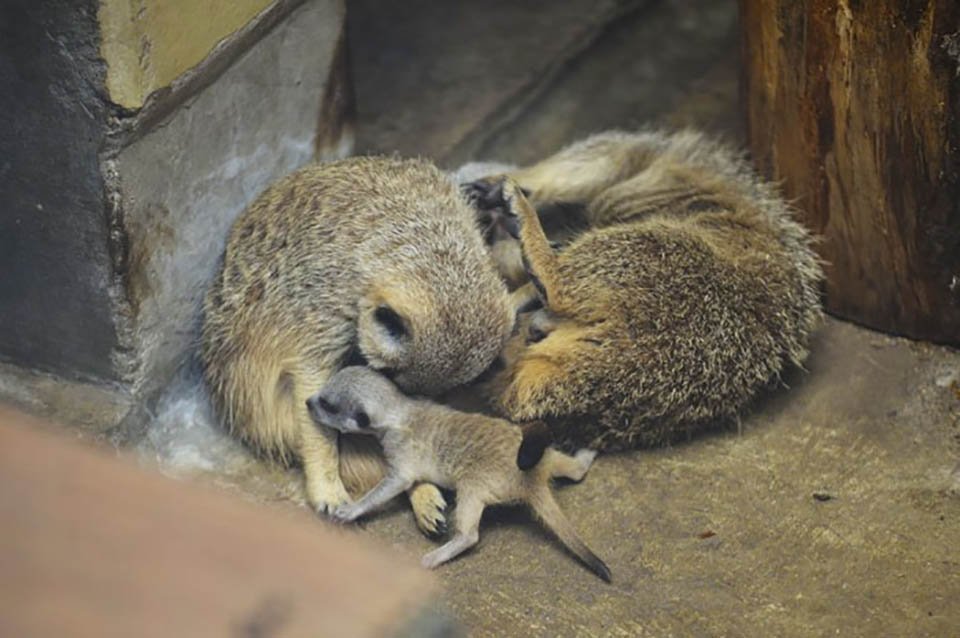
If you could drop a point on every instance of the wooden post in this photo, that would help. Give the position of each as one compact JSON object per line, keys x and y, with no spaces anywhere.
{"x":855,"y":106}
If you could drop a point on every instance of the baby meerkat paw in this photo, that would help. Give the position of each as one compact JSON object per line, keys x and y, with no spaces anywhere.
{"x":345,"y":513}
{"x":432,"y":560}
{"x":429,"y":510}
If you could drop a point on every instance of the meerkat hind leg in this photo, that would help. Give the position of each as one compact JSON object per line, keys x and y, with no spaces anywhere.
{"x":466,"y":535}
{"x":570,"y":467}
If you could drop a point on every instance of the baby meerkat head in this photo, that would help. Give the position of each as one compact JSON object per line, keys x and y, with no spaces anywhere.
{"x":353,"y":401}
{"x":430,"y":336}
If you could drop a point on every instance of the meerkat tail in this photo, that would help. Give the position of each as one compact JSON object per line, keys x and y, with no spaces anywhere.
{"x":584,"y":169}
{"x":361,"y":463}
{"x":254,"y":391}
{"x":544,"y":505}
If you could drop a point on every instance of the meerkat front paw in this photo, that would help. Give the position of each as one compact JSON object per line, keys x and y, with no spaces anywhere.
{"x":429,"y":510}
{"x":324,"y":497}
{"x":492,"y":196}
{"x":484,"y":193}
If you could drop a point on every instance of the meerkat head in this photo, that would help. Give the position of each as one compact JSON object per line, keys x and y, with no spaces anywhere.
{"x":353,"y":401}
{"x":429,"y":334}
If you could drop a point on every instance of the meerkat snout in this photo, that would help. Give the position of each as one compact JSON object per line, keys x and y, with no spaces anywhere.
{"x":339,"y":406}
{"x":334,"y":414}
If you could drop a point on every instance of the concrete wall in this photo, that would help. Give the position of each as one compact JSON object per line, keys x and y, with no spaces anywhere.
{"x":147,"y":44}
{"x":55,"y":256}
{"x":183,"y":183}
{"x":127,"y":147}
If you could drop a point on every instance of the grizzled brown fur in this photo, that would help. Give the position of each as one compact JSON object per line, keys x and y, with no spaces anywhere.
{"x":691,"y":291}
{"x":370,"y":258}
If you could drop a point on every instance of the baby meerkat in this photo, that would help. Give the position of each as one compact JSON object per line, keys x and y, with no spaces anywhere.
{"x":370,"y":259}
{"x":475,"y":455}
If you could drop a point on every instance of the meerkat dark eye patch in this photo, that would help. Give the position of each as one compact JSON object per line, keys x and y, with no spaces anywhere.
{"x":535,"y":335}
{"x":326,"y":406}
{"x":530,"y":305}
{"x":391,"y":321}
{"x":362,"y":419}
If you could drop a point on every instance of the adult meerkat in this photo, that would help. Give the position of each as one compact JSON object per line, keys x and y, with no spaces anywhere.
{"x":475,"y":455}
{"x":691,"y":290}
{"x":372,"y":259}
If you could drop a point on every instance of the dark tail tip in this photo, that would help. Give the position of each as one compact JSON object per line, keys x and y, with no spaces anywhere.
{"x":536,"y":439}
{"x":598,"y":567}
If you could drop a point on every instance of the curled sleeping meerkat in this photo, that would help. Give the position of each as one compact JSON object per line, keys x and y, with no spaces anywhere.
{"x":689,"y":290}
{"x":475,"y":455}
{"x":367,"y":259}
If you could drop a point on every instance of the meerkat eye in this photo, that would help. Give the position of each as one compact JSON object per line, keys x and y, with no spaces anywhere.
{"x":362,"y":419}
{"x":391,"y":321}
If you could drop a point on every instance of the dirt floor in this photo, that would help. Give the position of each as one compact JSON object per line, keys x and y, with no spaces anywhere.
{"x":834,"y":510}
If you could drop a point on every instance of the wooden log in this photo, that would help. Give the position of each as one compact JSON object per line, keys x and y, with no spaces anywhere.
{"x":92,"y":546}
{"x":855,"y":106}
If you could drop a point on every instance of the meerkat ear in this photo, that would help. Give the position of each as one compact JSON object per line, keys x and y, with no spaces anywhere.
{"x":384,"y":332}
{"x":391,"y":321}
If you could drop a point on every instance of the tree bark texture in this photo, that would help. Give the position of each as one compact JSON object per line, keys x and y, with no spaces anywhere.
{"x":854,"y":105}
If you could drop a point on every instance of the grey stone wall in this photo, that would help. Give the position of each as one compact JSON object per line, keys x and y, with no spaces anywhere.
{"x":112,"y":222}
{"x":55,"y":307}
{"x":183,"y":183}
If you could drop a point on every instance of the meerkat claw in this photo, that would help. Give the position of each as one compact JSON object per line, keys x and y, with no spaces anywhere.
{"x":343,"y":513}
{"x":430,"y":510}
{"x":434,"y":526}
{"x":325,"y":499}
{"x":485,"y":193}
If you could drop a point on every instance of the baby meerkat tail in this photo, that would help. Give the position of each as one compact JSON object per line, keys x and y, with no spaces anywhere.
{"x":362,"y":464}
{"x":543,"y":504}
